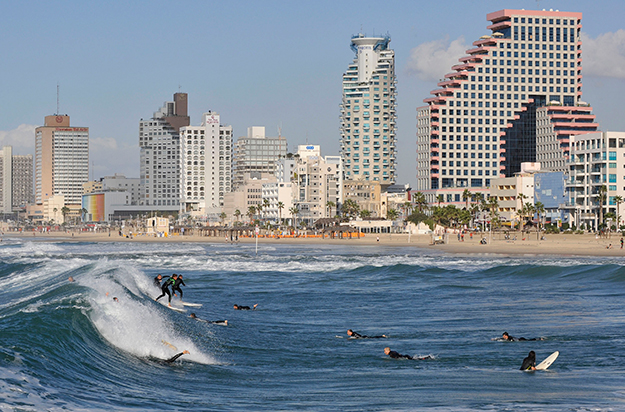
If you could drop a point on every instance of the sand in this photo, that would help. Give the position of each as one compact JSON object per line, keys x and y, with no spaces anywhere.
{"x":560,"y":244}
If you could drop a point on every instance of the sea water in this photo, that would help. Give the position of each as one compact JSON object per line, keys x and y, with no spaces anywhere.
{"x":70,"y":346}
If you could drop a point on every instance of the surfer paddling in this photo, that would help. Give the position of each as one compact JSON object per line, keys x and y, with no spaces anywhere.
{"x":214,"y":322}
{"x":396,"y":355}
{"x":239,"y":307}
{"x":356,"y":335}
{"x":506,"y":337}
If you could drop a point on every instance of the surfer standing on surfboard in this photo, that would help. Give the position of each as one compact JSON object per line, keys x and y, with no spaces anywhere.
{"x":176,"y":286}
{"x":165,"y":287}
{"x":529,"y":363}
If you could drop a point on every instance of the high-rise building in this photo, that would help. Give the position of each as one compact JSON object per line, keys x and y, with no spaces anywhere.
{"x":256,"y":153}
{"x":206,"y":165}
{"x":483,"y":121}
{"x":368,"y":112}
{"x":22,"y":181}
{"x":159,"y":145}
{"x":61,"y":160}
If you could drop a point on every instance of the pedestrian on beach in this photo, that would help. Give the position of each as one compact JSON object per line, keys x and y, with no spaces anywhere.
{"x":621,"y":242}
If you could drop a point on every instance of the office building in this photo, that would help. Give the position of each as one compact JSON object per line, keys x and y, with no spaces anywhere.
{"x":206,"y":159}
{"x":256,"y":153}
{"x":368,"y":113}
{"x":481,"y":123}
{"x":159,"y":147}
{"x":16,"y":180}
{"x":61,"y":160}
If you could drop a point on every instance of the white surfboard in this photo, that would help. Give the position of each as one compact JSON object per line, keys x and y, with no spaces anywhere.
{"x":194,"y":305}
{"x":547,"y":362}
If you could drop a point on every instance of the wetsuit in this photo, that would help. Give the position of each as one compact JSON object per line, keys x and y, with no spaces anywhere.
{"x":356,"y":335}
{"x":173,"y":358}
{"x":513,"y":339}
{"x":176,"y":287}
{"x":165,"y":288}
{"x":396,"y":355}
{"x":243,"y":307}
{"x":528,"y":363}
{"x":157,"y":282}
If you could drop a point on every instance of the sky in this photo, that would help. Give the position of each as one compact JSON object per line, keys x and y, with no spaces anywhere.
{"x":277,"y":64}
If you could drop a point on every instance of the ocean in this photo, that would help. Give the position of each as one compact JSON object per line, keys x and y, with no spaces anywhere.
{"x":70,"y":346}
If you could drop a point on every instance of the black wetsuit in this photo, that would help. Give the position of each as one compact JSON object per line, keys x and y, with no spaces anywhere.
{"x":356,"y":335}
{"x":396,"y":355}
{"x":176,"y":287}
{"x":165,"y":288}
{"x":173,"y":358}
{"x":242,"y":307}
{"x":513,"y":339}
{"x":157,"y":282}
{"x":528,"y":363}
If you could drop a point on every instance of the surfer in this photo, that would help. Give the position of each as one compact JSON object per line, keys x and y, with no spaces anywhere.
{"x":356,"y":335}
{"x":529,"y":363}
{"x":215,"y":322}
{"x":509,"y":338}
{"x":238,"y":307}
{"x":157,"y":280}
{"x":176,"y":286}
{"x":396,"y":355}
{"x":176,"y":356}
{"x":165,"y":287}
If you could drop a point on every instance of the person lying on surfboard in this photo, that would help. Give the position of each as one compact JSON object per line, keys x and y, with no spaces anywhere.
{"x":216,"y":322}
{"x":176,"y":286}
{"x":529,"y":363}
{"x":238,"y":307}
{"x":356,"y":335}
{"x":507,"y":337}
{"x":396,"y":355}
{"x":165,"y":287}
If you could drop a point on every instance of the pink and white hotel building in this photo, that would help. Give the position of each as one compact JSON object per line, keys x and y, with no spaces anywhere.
{"x":515,"y":98}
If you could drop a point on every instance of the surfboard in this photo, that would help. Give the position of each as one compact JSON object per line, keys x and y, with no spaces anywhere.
{"x":194,"y":305}
{"x":175,"y":308}
{"x":547,"y":362}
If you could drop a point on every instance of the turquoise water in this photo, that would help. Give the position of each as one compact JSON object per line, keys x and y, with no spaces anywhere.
{"x":69,"y":346}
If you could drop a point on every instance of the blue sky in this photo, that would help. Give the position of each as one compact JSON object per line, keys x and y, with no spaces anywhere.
{"x":257,"y":63}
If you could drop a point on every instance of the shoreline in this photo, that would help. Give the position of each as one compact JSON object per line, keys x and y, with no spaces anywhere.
{"x":556,"y":244}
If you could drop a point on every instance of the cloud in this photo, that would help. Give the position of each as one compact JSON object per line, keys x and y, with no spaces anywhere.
{"x":431,"y":61}
{"x":22,"y":139}
{"x":102,"y":143}
{"x":604,"y":56}
{"x":107,"y":157}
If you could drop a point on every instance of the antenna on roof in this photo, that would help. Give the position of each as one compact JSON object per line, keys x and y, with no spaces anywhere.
{"x":280,"y":130}
{"x":57,"y":99}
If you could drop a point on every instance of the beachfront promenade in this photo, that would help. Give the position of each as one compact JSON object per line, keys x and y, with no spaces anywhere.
{"x":560,"y":244}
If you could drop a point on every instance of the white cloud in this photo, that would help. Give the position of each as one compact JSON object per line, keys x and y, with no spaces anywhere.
{"x":107,"y":157}
{"x":22,"y":139}
{"x":432,"y":60}
{"x":102,"y":143}
{"x":604,"y":56}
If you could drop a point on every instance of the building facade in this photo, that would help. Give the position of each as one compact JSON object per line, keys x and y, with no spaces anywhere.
{"x":368,"y":112}
{"x":159,"y":148}
{"x":256,"y":153}
{"x":481,"y":123}
{"x":61,"y":160}
{"x":121,"y":183}
{"x":206,"y":166}
{"x":22,"y":181}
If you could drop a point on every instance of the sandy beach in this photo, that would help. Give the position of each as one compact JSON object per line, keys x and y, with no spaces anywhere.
{"x":560,"y":244}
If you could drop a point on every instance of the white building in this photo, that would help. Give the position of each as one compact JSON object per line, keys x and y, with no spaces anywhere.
{"x":121,"y":183}
{"x":205,"y":166}
{"x":256,"y":153}
{"x":159,"y":145}
{"x":368,"y":113}
{"x":16,"y":180}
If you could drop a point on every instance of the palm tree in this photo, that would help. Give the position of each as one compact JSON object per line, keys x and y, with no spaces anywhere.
{"x":539,"y":207}
{"x":618,"y":200}
{"x":407,"y":208}
{"x":259,"y":209}
{"x":365,"y":214}
{"x":440,"y":199}
{"x":266,"y":204}
{"x":420,"y":201}
{"x":280,"y":207}
{"x":466,"y":196}
{"x":223,"y":217}
{"x":251,"y":211}
{"x":392,"y":214}
{"x":294,"y":211}
{"x":330,"y":204}
{"x":350,"y":208}
{"x":603,"y":190}
{"x":237,"y":214}
{"x":64,"y":211}
{"x":521,"y":211}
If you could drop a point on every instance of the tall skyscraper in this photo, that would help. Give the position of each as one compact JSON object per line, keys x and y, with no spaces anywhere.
{"x":368,"y":112}
{"x":159,"y":145}
{"x":61,"y":160}
{"x":206,"y":165}
{"x":256,"y":153}
{"x":22,"y":181}
{"x":484,"y":120}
